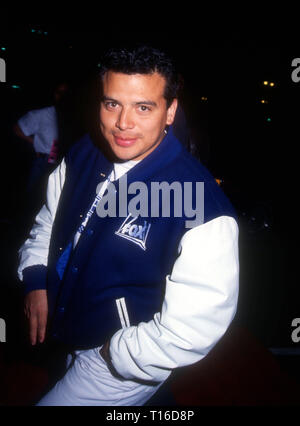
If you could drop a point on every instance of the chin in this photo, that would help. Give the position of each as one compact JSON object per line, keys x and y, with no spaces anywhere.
{"x":123,"y":154}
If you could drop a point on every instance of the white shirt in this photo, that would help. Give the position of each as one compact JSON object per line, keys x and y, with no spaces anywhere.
{"x":42,"y":124}
{"x":121,"y":168}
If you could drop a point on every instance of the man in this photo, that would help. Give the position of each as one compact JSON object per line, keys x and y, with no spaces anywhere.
{"x":135,"y":297}
{"x":40,"y":129}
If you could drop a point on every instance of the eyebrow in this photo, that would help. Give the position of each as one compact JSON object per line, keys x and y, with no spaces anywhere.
{"x":146,"y":102}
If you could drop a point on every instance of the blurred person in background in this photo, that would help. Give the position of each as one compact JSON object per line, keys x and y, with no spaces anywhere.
{"x":40,"y":128}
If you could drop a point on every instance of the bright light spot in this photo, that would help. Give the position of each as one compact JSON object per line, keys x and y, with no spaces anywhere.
{"x":266,"y":83}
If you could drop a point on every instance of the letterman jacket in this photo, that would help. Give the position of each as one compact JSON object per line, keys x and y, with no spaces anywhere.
{"x":161,"y":293}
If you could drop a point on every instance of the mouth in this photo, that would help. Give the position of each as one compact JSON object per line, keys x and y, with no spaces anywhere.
{"x":124,"y":141}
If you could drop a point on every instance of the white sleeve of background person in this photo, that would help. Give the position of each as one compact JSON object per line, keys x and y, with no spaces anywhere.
{"x":35,"y":249}
{"x":29,"y":123}
{"x":200,"y":303}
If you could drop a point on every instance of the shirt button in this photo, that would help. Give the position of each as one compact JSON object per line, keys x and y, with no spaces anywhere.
{"x":91,"y":232}
{"x":75,"y":270}
{"x":61,"y":310}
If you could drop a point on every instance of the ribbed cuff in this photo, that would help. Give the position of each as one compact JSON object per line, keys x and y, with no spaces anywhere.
{"x":34,"y":278}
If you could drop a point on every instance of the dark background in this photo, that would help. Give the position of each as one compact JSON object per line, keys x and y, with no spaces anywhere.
{"x":251,"y":146}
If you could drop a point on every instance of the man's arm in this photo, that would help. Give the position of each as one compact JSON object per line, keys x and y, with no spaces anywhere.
{"x":18,"y":132}
{"x":199,"y":305}
{"x":29,"y":125}
{"x":34,"y":259}
{"x":36,"y":312}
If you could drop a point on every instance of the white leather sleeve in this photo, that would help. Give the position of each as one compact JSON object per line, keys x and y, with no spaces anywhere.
{"x":35,"y":250}
{"x":200,"y":303}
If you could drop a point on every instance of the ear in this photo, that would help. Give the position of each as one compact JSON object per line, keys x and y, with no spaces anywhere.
{"x":172,"y":112}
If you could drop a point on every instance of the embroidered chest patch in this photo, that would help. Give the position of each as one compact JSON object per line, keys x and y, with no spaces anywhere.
{"x":135,"y":229}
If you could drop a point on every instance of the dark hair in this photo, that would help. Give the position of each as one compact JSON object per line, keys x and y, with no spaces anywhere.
{"x":143,"y":59}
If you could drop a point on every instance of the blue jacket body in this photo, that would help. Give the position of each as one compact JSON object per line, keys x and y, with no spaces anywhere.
{"x":106,"y":266}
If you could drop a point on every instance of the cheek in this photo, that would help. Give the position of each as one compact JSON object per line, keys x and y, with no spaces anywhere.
{"x":106,"y":120}
{"x":154,"y":125}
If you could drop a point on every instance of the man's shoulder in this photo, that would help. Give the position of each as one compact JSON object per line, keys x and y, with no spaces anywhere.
{"x":187,"y":168}
{"x":82,"y":146}
{"x":85,"y":151}
{"x":39,"y":114}
{"x":50,"y":109}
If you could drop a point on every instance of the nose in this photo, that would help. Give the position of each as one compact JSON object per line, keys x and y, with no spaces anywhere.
{"x":125,"y":120}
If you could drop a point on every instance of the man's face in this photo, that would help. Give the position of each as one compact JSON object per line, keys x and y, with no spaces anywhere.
{"x":134,"y":113}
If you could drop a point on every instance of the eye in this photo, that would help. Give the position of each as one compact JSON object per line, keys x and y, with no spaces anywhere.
{"x":144,"y":108}
{"x":110,"y":105}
